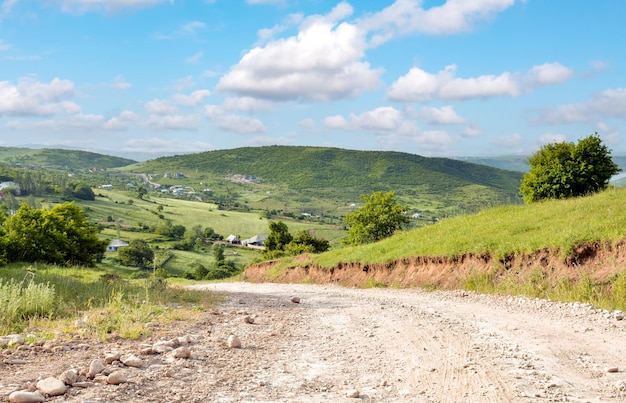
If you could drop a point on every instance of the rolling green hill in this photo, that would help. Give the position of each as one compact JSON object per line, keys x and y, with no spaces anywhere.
{"x":59,"y":158}
{"x":340,"y":176}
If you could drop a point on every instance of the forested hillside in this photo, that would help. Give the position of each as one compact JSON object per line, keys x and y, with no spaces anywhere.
{"x":340,"y":174}
{"x":59,"y":158}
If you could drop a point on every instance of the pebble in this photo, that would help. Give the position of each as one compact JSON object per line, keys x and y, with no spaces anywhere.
{"x":295,"y":300}
{"x":116,"y":378}
{"x":248,"y":319}
{"x":353,"y":394}
{"x":612,"y":369}
{"x":22,"y":396}
{"x":51,"y":386}
{"x":182,"y":352}
{"x":233,"y":341}
{"x":131,"y":360}
{"x":95,"y":367}
{"x":111,"y":358}
{"x":69,"y":377}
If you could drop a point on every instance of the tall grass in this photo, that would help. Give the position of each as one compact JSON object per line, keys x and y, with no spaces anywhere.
{"x":102,"y":303}
{"x":22,"y":300}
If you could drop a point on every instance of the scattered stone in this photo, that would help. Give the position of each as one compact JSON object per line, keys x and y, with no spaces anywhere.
{"x":353,"y":394}
{"x":612,"y":369}
{"x":131,"y":360}
{"x":619,"y":315}
{"x":95,"y":367}
{"x":295,"y":300}
{"x":69,"y":377}
{"x":248,"y":319}
{"x":620,"y":385}
{"x":83,"y":384}
{"x":111,"y":358}
{"x":51,"y":387}
{"x":161,"y":348}
{"x":184,"y":340}
{"x":182,"y":352}
{"x":233,"y":341}
{"x":116,"y":378}
{"x":15,"y":340}
{"x":23,"y":396}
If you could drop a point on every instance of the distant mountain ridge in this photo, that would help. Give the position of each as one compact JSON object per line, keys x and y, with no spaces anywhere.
{"x":60,"y":158}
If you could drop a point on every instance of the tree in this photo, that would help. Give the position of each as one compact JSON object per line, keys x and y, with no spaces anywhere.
{"x":380,"y":217}
{"x":304,"y":242}
{"x":137,"y":254}
{"x":84,"y":192}
{"x":563,"y":170}
{"x":278,"y":237}
{"x":62,"y":235}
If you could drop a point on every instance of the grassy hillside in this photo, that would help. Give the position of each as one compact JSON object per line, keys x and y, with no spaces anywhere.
{"x":339,"y":176}
{"x":59,"y":158}
{"x":558,"y":226}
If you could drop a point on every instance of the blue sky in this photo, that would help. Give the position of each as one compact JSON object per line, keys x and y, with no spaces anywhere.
{"x":435,"y":78}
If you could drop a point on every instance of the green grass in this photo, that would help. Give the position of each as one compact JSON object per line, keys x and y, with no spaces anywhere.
{"x":554,"y":225}
{"x":51,"y":299}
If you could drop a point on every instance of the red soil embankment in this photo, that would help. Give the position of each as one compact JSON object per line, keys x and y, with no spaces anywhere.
{"x":599,"y":261}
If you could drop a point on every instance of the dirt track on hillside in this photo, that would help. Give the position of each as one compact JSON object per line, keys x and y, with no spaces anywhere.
{"x":390,"y":345}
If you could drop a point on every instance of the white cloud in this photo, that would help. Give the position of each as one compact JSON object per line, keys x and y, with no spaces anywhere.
{"x":336,"y":122}
{"x":195,"y":58}
{"x":160,"y":107}
{"x":193,"y":99}
{"x":405,"y":17}
{"x":32,"y":98}
{"x":246,"y":104}
{"x":192,"y":27}
{"x":470,"y":131}
{"x":322,"y":62}
{"x":107,"y":6}
{"x":172,"y":122}
{"x":221,"y":119}
{"x":446,"y":115}
{"x":75,"y":123}
{"x":548,"y":74}
{"x":419,"y":86}
{"x":609,"y":103}
{"x":121,"y":121}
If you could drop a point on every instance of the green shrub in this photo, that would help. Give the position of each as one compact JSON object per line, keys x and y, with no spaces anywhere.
{"x":22,"y":301}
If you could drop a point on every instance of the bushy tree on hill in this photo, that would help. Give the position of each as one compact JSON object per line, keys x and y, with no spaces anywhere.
{"x":280,"y":242}
{"x":563,"y":170}
{"x":137,"y":254}
{"x":380,"y":217}
{"x":61,"y":235}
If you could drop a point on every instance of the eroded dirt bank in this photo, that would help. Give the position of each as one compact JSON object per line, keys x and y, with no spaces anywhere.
{"x":595,"y":260}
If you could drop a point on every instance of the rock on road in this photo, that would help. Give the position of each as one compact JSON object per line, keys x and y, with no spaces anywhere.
{"x":390,"y":345}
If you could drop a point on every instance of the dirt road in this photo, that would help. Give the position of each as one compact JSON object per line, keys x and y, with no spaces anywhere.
{"x":386,"y":345}
{"x":415,"y":346}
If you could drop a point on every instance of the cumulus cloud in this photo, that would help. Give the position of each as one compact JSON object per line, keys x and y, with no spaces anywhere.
{"x":446,"y":115}
{"x":221,"y":119}
{"x":322,"y":62}
{"x":72,"y":123}
{"x":391,"y":127}
{"x":172,"y":122}
{"x":34,"y":98}
{"x":246,"y":104}
{"x":609,"y":103}
{"x":548,"y":138}
{"x":160,"y":107}
{"x":193,"y":99}
{"x":121,"y":121}
{"x":405,"y":17}
{"x":307,"y":123}
{"x":419,"y":86}
{"x":471,"y":131}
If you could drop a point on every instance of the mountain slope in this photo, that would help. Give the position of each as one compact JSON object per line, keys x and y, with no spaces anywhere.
{"x":339,"y":174}
{"x":60,"y":158}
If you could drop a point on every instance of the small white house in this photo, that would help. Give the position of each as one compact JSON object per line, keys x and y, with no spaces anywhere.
{"x":115,"y":245}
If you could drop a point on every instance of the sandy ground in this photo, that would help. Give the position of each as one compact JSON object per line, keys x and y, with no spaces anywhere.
{"x":388,"y":345}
